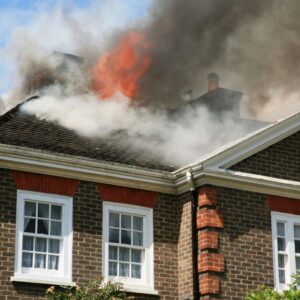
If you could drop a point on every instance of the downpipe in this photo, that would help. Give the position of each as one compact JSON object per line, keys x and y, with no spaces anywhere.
{"x":194,"y":206}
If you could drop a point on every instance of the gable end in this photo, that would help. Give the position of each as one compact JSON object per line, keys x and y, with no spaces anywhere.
{"x":281,"y":160}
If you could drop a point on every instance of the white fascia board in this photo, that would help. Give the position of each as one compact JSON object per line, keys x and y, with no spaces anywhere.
{"x":37,"y":161}
{"x":241,"y":149}
{"x":250,"y":182}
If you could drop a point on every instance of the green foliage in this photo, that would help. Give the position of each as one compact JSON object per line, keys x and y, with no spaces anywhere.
{"x":96,"y":290}
{"x":264,"y":293}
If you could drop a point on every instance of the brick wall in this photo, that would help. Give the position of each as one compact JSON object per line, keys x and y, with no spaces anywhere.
{"x":281,"y":160}
{"x":185,"y":273}
{"x":87,"y":233}
{"x":245,"y":241}
{"x":170,"y":238}
{"x":166,"y":231}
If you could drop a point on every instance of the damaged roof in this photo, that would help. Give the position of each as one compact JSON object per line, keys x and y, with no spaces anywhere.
{"x":21,"y":129}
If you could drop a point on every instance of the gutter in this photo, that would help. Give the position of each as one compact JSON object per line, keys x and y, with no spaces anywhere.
{"x":194,"y":206}
{"x":61,"y":165}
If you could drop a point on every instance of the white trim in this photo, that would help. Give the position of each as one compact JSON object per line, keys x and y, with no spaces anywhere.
{"x":289,"y":220}
{"x":67,"y":166}
{"x":252,"y":143}
{"x":139,"y":290}
{"x":64,"y":274}
{"x":146,"y":283}
{"x":20,"y":278}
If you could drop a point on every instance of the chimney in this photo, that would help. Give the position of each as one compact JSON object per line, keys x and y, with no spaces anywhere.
{"x":213,"y":81}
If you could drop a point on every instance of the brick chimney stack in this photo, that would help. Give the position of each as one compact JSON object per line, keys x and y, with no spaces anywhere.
{"x":213,"y":81}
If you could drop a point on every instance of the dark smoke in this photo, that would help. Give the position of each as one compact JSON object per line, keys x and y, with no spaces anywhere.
{"x":254,"y":46}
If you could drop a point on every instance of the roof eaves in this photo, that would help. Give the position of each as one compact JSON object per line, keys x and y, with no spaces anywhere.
{"x":68,"y":166}
{"x":242,"y":148}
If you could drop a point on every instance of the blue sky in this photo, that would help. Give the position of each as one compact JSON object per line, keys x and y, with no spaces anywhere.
{"x":16,"y":14}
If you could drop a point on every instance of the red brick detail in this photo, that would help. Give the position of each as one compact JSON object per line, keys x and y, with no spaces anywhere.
{"x":127,"y":195}
{"x":208,"y":240}
{"x":45,"y":183}
{"x":211,"y":262}
{"x":209,"y":284}
{"x":209,"y":218}
{"x":283,"y":204}
{"x":207,"y":196}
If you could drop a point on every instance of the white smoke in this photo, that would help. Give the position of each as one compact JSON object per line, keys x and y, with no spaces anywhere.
{"x":192,"y":135}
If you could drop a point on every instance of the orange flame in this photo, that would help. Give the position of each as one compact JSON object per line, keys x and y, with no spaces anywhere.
{"x":120,"y":69}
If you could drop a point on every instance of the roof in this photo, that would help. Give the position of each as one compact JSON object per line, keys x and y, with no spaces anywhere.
{"x":212,"y":169}
{"x":21,"y":129}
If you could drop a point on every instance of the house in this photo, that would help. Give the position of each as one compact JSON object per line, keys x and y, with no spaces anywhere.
{"x":73,"y":207}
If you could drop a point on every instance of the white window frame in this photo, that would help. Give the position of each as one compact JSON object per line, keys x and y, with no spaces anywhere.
{"x":63,"y":276}
{"x":290,"y":266}
{"x":146,"y":283}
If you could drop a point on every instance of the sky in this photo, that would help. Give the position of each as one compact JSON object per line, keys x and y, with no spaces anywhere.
{"x":16,"y":15}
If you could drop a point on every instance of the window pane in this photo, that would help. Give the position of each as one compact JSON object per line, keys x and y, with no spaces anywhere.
{"x":124,"y":254}
{"x":43,"y":226}
{"x":138,"y":223}
{"x":54,"y":246}
{"x":27,"y":243}
{"x":281,"y":263}
{"x":55,"y":228}
{"x":53,"y":262}
{"x":43,"y":210}
{"x":124,"y":270}
{"x":30,"y":209}
{"x":125,"y":237}
{"x":113,"y":220}
{"x":126,"y":221}
{"x":280,"y":229}
{"x":56,"y":212}
{"x":137,"y":238}
{"x":281,"y":276}
{"x":281,"y":244}
{"x":29,"y":225}
{"x":297,"y":231}
{"x":113,"y":252}
{"x":136,"y":271}
{"x":41,"y":245}
{"x":114,"y":235}
{"x":136,"y":256}
{"x":27,"y":260}
{"x":298,"y":263}
{"x":297,"y":246}
{"x":40,"y":261}
{"x":112,"y":269}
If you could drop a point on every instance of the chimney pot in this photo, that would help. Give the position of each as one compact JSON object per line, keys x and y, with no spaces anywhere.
{"x":213,"y":81}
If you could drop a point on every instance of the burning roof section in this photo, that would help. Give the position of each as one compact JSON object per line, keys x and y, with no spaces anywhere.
{"x":25,"y":130}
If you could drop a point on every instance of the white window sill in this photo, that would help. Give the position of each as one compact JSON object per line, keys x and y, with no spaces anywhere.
{"x":140,"y":290}
{"x":41,"y":280}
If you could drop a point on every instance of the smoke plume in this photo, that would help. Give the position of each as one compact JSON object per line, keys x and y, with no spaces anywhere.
{"x":253,"y":45}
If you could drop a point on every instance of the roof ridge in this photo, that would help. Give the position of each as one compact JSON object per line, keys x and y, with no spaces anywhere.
{"x":8,"y":115}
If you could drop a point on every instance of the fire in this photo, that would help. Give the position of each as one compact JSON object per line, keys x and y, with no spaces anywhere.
{"x":120,"y":69}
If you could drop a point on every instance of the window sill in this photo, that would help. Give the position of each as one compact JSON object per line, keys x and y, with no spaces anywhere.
{"x":40,"y":280}
{"x":140,"y":290}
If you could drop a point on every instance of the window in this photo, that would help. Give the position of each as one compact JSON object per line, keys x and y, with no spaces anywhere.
{"x":128,"y":245}
{"x":286,"y":247}
{"x":44,"y":238}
